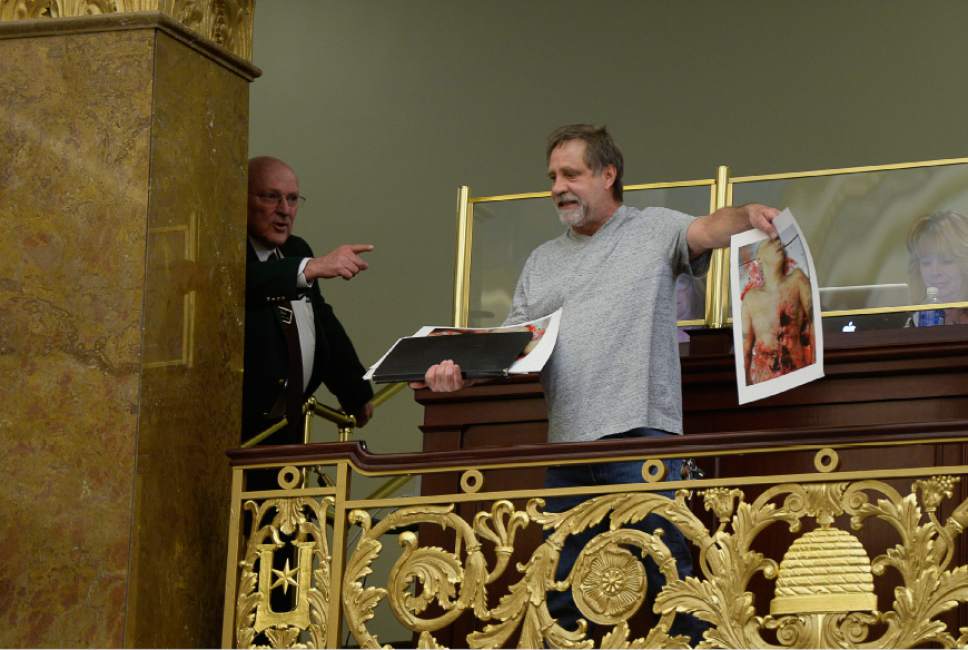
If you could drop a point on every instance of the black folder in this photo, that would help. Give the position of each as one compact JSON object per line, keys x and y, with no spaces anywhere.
{"x":478,"y":355}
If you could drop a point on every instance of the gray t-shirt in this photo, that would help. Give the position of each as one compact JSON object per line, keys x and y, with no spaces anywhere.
{"x":615,"y":365}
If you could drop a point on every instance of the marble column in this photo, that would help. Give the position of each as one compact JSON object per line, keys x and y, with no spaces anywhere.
{"x":123,"y":147}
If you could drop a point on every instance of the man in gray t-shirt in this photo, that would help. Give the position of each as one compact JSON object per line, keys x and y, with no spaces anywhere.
{"x":616,"y":361}
{"x":615,"y":368}
{"x":613,"y":271}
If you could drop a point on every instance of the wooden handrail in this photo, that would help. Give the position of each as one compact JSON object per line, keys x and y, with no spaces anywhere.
{"x":672,"y":446}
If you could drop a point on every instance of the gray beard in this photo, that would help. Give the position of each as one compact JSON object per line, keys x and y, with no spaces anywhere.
{"x":574,"y":216}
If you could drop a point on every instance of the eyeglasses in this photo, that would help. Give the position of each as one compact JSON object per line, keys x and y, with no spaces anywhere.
{"x":274,"y":198}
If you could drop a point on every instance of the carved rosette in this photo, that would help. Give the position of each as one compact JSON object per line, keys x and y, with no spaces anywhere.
{"x":227,"y":23}
{"x":609,"y":584}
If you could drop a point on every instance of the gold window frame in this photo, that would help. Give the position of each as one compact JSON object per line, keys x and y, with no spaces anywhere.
{"x":717,"y":302}
{"x":843,"y":171}
{"x":465,"y":235}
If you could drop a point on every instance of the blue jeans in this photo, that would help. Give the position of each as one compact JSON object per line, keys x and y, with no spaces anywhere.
{"x":560,"y":603}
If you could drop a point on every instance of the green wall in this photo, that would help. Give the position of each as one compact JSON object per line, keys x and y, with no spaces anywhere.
{"x":384,"y":108}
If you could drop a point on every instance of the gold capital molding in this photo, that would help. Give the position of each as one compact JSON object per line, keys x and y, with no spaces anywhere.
{"x":226,"y":23}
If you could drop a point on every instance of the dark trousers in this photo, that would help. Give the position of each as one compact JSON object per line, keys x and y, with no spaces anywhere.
{"x":560,"y":603}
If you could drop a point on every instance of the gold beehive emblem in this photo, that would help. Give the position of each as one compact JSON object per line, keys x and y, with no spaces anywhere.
{"x":825,"y":570}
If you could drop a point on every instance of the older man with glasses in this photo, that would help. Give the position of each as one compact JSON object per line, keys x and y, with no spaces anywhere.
{"x":293,"y":340}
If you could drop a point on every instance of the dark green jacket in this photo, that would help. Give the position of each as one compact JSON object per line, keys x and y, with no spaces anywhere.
{"x":336,"y":364}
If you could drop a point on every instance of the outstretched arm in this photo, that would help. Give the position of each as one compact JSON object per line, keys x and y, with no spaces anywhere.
{"x":344,"y":262}
{"x":714,"y":230}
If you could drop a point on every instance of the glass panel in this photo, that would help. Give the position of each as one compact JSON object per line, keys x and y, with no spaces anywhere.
{"x":857,"y":227}
{"x":505,"y":233}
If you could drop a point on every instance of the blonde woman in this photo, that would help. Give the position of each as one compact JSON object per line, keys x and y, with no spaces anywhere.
{"x":938,"y":249}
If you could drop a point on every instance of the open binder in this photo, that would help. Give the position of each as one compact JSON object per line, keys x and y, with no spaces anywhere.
{"x":480,"y":355}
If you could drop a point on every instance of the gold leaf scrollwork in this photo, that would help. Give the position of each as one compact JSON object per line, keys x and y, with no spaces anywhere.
{"x":823,"y":586}
{"x":850,"y":629}
{"x":934,"y":490}
{"x":822,"y":502}
{"x":524,"y":607}
{"x":436,"y":574}
{"x":436,"y":571}
{"x":284,"y":637}
{"x":721,"y":502}
{"x":428,"y":642}
{"x":499,"y":527}
{"x":658,"y":637}
{"x":359,"y":601}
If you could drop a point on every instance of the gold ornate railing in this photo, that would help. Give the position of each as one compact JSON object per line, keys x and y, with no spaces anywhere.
{"x":802,"y":539}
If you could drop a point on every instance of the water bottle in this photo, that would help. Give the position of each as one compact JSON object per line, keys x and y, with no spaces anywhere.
{"x":931,"y":317}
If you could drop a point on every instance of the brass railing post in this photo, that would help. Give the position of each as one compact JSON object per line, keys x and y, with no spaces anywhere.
{"x":462,"y":264}
{"x":334,"y":619}
{"x":717,"y":303}
{"x":307,"y":411}
{"x":344,"y":433}
{"x":232,"y":563}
